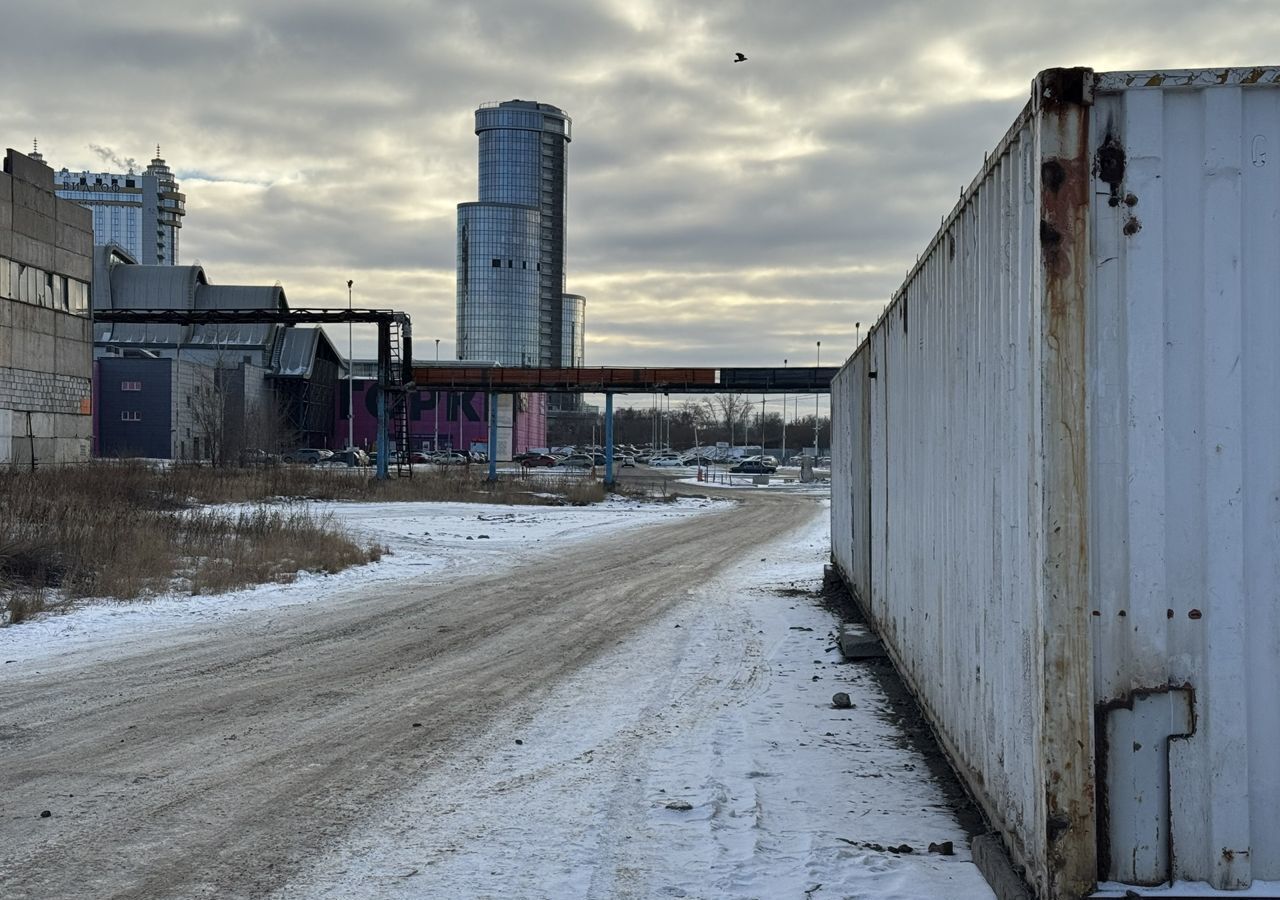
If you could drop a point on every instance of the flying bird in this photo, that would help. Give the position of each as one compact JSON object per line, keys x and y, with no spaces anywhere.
{"x":741,"y":58}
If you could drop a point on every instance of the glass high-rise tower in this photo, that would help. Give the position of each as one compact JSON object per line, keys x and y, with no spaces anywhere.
{"x":512,"y":307}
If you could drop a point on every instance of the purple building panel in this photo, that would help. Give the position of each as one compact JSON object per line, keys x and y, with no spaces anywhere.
{"x":452,"y":420}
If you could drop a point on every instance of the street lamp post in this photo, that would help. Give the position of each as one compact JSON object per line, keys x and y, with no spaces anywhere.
{"x":351,"y":409}
{"x":435,"y":402}
{"x":815,"y":409}
{"x":784,"y":421}
{"x":762,"y":396}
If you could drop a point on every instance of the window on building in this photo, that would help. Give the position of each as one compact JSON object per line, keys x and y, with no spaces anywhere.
{"x":497,"y":264}
{"x":130,"y":415}
{"x":131,"y":385}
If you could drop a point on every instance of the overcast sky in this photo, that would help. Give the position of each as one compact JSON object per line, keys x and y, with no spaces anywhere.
{"x":719,"y":213}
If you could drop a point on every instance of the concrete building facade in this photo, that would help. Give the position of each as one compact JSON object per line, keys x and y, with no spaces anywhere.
{"x":46,"y":339}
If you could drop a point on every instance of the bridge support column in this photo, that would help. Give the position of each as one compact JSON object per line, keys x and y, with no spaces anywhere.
{"x":493,"y":436}
{"x":608,"y":440}
{"x":384,"y":435}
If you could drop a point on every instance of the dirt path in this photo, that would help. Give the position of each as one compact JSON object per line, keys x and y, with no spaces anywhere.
{"x":218,"y":760}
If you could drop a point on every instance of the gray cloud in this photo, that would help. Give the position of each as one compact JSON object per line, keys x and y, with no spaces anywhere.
{"x":717,"y":211}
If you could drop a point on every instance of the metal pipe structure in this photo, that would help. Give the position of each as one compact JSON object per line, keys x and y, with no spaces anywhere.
{"x":435,"y":403}
{"x":493,"y":436}
{"x":384,"y":379}
{"x":351,"y":411}
{"x":815,"y":411}
{"x":608,"y":440}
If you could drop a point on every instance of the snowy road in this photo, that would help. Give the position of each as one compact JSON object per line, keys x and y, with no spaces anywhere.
{"x":513,"y":734}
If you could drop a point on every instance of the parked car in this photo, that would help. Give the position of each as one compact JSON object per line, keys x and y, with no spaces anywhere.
{"x":756,"y":466}
{"x":450,"y":458}
{"x":539,"y":459}
{"x":577,"y":461}
{"x":698,"y":460}
{"x":311,"y":455}
{"x":257,"y":457}
{"x":627,"y":461}
{"x":666,"y":461}
{"x":349,"y":458}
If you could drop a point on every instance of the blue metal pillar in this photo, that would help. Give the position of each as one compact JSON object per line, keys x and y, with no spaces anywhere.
{"x":608,"y":440}
{"x":384,"y":435}
{"x":493,"y":436}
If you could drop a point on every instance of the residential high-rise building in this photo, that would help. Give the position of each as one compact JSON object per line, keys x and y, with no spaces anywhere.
{"x":140,"y":212}
{"x":511,"y":303}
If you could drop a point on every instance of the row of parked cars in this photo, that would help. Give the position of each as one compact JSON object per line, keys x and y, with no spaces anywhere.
{"x":586,"y":460}
{"x":319,"y":456}
{"x":626,"y":458}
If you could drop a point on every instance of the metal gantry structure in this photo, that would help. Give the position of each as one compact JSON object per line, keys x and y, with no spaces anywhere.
{"x":610,"y":380}
{"x":397,"y":375}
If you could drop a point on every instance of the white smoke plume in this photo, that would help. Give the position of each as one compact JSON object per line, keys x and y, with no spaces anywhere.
{"x":127,"y":164}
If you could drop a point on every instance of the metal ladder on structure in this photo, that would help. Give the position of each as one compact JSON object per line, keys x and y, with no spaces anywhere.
{"x":398,"y":403}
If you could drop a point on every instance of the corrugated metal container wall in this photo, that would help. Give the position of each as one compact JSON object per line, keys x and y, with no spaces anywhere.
{"x":1185,"y":474}
{"x":1065,"y":432}
{"x":946,"y":392}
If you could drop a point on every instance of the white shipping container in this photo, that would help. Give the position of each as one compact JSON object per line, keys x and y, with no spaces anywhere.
{"x":1056,"y":480}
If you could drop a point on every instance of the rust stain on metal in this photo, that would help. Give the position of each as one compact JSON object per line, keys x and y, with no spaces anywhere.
{"x":1064,"y":197}
{"x":1132,"y":226}
{"x":1052,"y":175}
{"x":1155,"y":81}
{"x":1110,"y":165}
{"x":1195,"y":614}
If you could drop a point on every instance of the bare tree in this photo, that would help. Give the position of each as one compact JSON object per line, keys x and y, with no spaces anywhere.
{"x":209,"y":413}
{"x":268,"y":423}
{"x":732,"y":410}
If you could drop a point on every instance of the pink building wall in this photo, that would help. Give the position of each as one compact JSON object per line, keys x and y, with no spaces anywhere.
{"x":463,"y":419}
{"x":531,"y":423}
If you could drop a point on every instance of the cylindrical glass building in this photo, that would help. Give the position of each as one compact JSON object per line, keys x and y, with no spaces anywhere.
{"x":522,"y":192}
{"x":498,"y":307}
{"x":574,"y":324}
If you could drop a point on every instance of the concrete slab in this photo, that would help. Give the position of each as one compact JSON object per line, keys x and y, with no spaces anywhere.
{"x":856,"y":643}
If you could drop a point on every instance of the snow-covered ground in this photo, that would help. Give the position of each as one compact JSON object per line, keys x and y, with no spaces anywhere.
{"x":701,"y":758}
{"x":723,"y":706}
{"x":428,"y":541}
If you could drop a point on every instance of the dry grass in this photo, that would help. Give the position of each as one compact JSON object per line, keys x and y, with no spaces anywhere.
{"x":456,"y":484}
{"x":126,"y":529}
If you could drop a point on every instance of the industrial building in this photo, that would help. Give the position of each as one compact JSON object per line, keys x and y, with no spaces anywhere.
{"x":204,"y":391}
{"x":444,"y":420}
{"x":46,"y":349}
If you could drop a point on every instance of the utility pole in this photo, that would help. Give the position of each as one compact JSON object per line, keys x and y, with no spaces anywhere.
{"x":816,"y":395}
{"x":784,"y":422}
{"x":351,"y":410}
{"x":435,"y":402}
